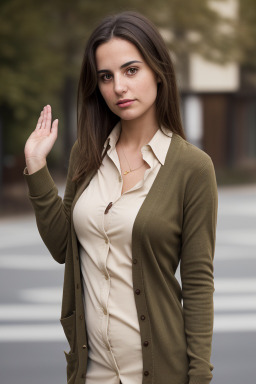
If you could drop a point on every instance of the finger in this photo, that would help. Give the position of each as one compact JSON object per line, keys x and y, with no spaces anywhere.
{"x":39,"y":122}
{"x":48,"y":118}
{"x":44,"y":118}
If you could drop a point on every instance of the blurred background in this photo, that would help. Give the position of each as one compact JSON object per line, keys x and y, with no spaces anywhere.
{"x":213,"y":45}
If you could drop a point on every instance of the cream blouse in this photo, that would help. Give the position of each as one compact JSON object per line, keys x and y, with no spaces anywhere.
{"x":105,"y":234}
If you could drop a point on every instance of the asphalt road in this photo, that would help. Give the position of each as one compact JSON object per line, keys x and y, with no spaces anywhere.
{"x":31,"y":338}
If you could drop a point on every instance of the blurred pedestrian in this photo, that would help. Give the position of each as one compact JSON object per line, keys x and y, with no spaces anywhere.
{"x":139,"y":200}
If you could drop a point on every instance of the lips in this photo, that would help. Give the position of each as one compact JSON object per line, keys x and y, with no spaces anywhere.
{"x":124,"y":103}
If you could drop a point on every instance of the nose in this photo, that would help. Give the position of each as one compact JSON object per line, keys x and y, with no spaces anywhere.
{"x":120,"y":85}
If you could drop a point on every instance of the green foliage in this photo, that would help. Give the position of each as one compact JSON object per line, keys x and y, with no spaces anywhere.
{"x":42,"y":45}
{"x":247,"y":33}
{"x":29,"y":70}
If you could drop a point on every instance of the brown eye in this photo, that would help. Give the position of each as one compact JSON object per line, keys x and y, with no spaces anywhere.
{"x":106,"y":77}
{"x":132,"y":71}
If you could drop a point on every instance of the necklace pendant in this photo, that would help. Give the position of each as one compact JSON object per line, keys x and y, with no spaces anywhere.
{"x":126,"y":172}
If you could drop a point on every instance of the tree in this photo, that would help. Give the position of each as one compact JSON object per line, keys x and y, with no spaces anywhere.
{"x":42,"y":46}
{"x":246,"y":40}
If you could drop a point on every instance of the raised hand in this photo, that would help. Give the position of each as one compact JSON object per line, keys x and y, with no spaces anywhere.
{"x":41,"y":141}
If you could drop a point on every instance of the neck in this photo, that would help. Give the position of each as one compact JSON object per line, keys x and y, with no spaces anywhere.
{"x":136,"y":133}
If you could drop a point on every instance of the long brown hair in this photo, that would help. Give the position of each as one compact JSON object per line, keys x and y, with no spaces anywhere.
{"x":95,"y":119}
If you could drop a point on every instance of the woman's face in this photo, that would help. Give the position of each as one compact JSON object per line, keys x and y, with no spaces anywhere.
{"x":127,"y":84}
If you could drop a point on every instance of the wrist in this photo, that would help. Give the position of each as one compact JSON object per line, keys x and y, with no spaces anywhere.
{"x":33,"y":164}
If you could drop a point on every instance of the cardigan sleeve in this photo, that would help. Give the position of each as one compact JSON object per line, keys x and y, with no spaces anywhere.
{"x":196,"y":268}
{"x":52,"y":213}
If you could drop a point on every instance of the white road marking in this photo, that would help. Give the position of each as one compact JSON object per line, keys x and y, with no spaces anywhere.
{"x":239,"y":285}
{"x":237,"y":303}
{"x":21,"y":240}
{"x":19,"y":312}
{"x":237,"y":210}
{"x":31,"y":332}
{"x":235,"y":323}
{"x":51,"y":295}
{"x":53,"y":333}
{"x":33,"y":262}
{"x":229,"y":252}
{"x":237,"y":237}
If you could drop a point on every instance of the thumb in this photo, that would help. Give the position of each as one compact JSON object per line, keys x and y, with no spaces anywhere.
{"x":54,"y":129}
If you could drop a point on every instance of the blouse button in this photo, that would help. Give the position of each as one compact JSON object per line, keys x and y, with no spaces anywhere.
{"x":106,"y":241}
{"x":146,"y":373}
{"x":137,"y":291}
{"x":108,"y":207}
{"x":105,"y":311}
{"x":146,"y":343}
{"x":143,"y":317}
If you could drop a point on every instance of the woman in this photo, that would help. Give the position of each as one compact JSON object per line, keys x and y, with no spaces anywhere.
{"x":139,"y":199}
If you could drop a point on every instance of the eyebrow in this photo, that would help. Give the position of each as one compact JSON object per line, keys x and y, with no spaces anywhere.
{"x":122,"y":66}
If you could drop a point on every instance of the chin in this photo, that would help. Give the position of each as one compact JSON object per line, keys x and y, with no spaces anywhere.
{"x":128,"y":115}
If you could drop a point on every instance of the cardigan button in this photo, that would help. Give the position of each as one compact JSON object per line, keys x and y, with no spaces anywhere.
{"x":77,"y":286}
{"x":84,"y":376}
{"x":146,"y":343}
{"x":143,"y":317}
{"x":134,"y":261}
{"x":137,"y":291}
{"x":81,"y":317}
{"x":146,"y":373}
{"x":84,"y":347}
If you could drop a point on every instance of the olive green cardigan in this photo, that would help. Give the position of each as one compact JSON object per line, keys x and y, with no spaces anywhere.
{"x":176,"y":223}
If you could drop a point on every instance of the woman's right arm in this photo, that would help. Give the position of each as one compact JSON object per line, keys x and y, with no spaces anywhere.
{"x":52,"y":214}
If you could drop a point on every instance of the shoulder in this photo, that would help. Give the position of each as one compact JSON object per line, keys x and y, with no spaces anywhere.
{"x":189,"y":168}
{"x":74,"y":154}
{"x":74,"y":150}
{"x":189,"y":158}
{"x":194,"y":171}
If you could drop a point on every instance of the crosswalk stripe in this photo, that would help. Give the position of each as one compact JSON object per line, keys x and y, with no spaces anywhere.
{"x":20,"y":312}
{"x":237,"y":303}
{"x":51,"y":295}
{"x":54,"y":332}
{"x":231,"y":285}
{"x":21,"y":241}
{"x":235,"y":323}
{"x":225,"y":252}
{"x":33,"y":262}
{"x":236,"y":237}
{"x":238,"y":209}
{"x":31,"y":332}
{"x":29,"y":312}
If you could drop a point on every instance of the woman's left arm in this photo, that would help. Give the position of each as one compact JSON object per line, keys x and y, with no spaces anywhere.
{"x":196,"y":268}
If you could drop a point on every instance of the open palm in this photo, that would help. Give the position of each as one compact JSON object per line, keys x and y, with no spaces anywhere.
{"x":41,"y":140}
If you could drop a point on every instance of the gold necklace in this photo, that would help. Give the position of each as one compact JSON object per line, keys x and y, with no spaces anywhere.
{"x":130,"y":170}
